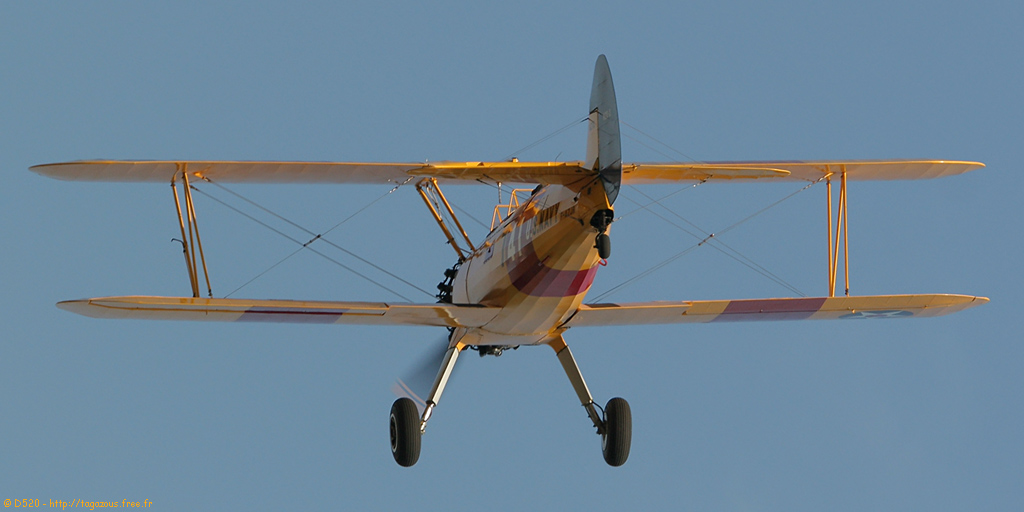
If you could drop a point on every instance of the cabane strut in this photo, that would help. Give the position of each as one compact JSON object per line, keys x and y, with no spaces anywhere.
{"x":437,"y":204}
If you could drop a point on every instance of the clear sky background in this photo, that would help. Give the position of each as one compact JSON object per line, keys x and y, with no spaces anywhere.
{"x":872,"y":415}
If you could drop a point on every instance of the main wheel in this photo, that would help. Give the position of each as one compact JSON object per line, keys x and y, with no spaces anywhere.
{"x":405,"y":432}
{"x":618,"y":430}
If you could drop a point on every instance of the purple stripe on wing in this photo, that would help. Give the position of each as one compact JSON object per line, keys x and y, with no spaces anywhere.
{"x":292,"y":315}
{"x":770,"y":309}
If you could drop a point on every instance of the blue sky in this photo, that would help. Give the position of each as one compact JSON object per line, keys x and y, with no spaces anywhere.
{"x":911,"y":415}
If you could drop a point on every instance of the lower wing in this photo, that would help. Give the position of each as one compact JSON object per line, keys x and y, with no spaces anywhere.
{"x":470,"y":315}
{"x":746,"y":310}
{"x":281,"y":311}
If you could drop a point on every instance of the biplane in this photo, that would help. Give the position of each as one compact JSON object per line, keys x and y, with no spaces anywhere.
{"x":524,"y":284}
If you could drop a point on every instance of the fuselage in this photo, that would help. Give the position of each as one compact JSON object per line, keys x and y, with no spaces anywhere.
{"x":537,"y":265}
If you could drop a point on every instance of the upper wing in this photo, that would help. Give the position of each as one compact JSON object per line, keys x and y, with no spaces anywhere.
{"x":230,"y":172}
{"x":812,"y":308}
{"x":313,"y":172}
{"x":509,"y":172}
{"x":356,"y":172}
{"x":281,"y":311}
{"x":645,"y":173}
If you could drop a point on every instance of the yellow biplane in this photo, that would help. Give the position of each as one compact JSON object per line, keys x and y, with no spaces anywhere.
{"x":525,"y":283}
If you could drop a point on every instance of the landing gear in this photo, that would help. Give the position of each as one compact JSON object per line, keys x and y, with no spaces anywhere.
{"x":407,"y":426}
{"x":405,"y":432}
{"x":615,"y":426}
{"x":614,"y":423}
{"x":618,"y":431}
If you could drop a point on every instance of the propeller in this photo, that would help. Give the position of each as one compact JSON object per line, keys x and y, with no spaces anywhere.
{"x":419,"y":377}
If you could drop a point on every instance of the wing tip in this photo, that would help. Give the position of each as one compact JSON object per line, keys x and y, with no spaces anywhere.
{"x":82,"y":307}
{"x":48,"y":170}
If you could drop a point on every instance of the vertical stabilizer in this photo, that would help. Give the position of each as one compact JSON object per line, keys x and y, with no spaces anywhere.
{"x":604,"y":149}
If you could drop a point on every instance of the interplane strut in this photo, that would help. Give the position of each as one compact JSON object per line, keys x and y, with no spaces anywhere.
{"x":190,"y":241}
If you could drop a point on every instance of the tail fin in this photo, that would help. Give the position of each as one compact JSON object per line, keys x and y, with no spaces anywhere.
{"x":604,"y":149}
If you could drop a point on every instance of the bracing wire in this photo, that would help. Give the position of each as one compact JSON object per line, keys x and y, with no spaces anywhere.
{"x":471,"y":217}
{"x":645,"y":134}
{"x":517,"y":152}
{"x":306,"y":245}
{"x":706,"y":239}
{"x":638,"y":141}
{"x":547,"y":137}
{"x":709,"y":238}
{"x":322,"y":236}
{"x":368,"y":205}
{"x":643,"y":207}
{"x":714,"y":243}
{"x":265,"y":272}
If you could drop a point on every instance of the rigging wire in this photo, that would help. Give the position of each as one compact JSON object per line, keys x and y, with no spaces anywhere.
{"x":265,"y":272}
{"x":716,"y":242}
{"x":706,"y":239}
{"x":321,"y":236}
{"x":638,"y":141}
{"x":645,"y":134}
{"x":471,"y":216}
{"x":548,"y":136}
{"x":286,"y":258}
{"x":512,"y":155}
{"x":306,"y":245}
{"x":368,"y":205}
{"x":656,"y":201}
{"x":496,"y":185}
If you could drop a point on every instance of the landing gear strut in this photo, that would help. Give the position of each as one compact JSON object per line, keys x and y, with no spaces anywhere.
{"x":406,"y":425}
{"x":615,"y":426}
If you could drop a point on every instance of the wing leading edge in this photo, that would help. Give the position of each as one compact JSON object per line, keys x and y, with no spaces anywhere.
{"x":747,"y":310}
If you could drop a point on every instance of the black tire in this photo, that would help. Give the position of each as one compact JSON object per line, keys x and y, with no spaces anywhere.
{"x":405,"y":432}
{"x":618,"y":431}
{"x":604,"y":246}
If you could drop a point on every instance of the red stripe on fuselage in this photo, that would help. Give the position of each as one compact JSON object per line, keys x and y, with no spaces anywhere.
{"x":531,"y":276}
